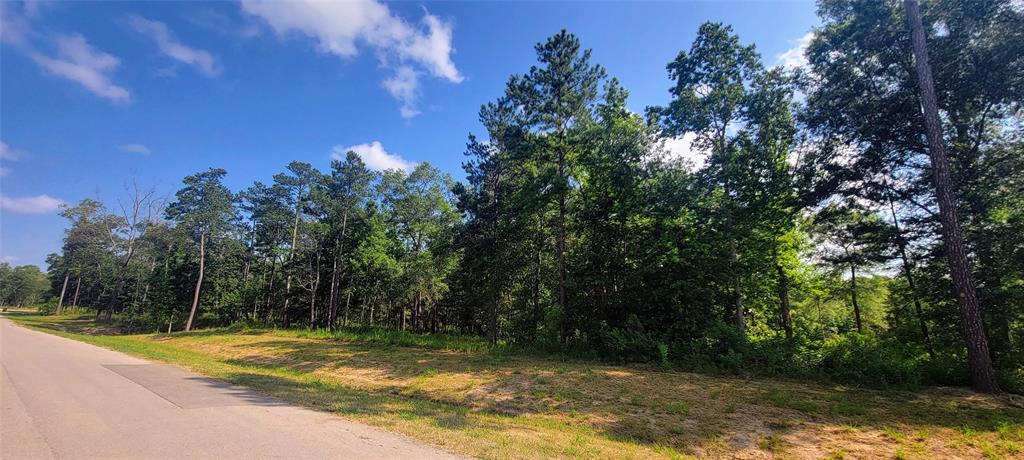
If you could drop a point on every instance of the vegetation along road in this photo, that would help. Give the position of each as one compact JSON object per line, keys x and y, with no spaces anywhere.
{"x":463,"y":396}
{"x":118,"y":406}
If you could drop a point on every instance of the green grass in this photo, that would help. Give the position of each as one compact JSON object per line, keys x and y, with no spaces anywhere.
{"x":785,"y":398}
{"x":375,"y":335}
{"x":459,"y":394}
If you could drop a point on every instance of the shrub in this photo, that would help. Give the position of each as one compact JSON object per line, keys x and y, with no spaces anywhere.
{"x":663,"y":354}
{"x":869,"y":360}
{"x":946,"y":369}
{"x":48,"y":308}
{"x":630,"y":343}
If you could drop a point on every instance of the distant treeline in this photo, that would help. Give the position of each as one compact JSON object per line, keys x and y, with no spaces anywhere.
{"x":808,"y":240}
{"x":22,"y":286}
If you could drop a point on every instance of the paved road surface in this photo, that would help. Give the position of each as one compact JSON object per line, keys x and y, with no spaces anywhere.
{"x":65,"y":399}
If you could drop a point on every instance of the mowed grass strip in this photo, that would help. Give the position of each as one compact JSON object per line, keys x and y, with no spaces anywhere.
{"x":454,"y":393}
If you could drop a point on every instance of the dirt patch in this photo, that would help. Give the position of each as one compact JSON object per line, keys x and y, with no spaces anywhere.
{"x":525,"y":407}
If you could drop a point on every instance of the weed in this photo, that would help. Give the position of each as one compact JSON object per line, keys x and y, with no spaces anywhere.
{"x":893,"y":434}
{"x":678,"y":407}
{"x":771,"y":443}
{"x":783,"y":398}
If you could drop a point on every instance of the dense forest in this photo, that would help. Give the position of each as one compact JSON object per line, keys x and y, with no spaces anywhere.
{"x":860,"y":218}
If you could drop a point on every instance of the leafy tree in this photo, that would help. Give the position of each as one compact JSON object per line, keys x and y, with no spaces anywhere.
{"x":22,"y":286}
{"x":204,"y":209}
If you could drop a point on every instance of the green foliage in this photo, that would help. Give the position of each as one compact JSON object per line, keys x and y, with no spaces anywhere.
{"x":869,"y":360}
{"x":630,"y":343}
{"x":22,"y":286}
{"x":805,"y":245}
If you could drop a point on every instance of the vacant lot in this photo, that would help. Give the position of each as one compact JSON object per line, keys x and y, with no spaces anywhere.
{"x":458,"y":395}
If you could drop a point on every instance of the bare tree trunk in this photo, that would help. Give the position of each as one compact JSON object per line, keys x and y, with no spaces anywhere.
{"x":78,"y":287}
{"x":909,"y":275}
{"x":416,"y":312}
{"x":348,"y":298}
{"x":63,"y":288}
{"x":199,"y":282}
{"x":853,"y":297}
{"x":560,"y":233}
{"x":332,"y":313}
{"x":535,"y":289}
{"x":270,"y":291}
{"x":979,"y":360}
{"x":332,"y":316}
{"x":787,"y":318}
{"x":737,"y":292}
{"x":316,"y":287}
{"x":291,"y":252}
{"x":145,"y":295}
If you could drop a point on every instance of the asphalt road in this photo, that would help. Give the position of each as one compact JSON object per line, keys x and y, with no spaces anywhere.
{"x":68,"y":400}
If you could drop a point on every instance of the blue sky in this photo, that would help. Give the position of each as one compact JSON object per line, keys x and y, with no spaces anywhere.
{"x":95,"y":94}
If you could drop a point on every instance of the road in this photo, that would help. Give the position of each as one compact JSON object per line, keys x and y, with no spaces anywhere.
{"x":68,"y":400}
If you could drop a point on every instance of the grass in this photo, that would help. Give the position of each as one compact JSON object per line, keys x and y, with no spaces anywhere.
{"x":455,"y":393}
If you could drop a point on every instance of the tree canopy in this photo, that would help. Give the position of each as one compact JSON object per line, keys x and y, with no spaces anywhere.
{"x":810,"y":240}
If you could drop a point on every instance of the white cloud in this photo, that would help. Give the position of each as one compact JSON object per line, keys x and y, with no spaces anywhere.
{"x":374,"y":155}
{"x":682,"y":148}
{"x":404,"y":86}
{"x":14,"y":24}
{"x":340,"y":28}
{"x":10,"y":260}
{"x":41,"y":204}
{"x":202,"y":60}
{"x":212,"y":20}
{"x":794,"y":57}
{"x":8,"y":153}
{"x":79,"y":62}
{"x":135,"y":148}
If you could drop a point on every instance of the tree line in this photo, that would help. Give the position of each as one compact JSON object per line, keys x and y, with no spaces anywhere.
{"x":817,"y":234}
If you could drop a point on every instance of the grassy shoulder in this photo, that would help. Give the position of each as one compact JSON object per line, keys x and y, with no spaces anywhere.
{"x":454,"y":393}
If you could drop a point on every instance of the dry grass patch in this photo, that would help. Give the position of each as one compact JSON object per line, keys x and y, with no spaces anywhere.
{"x":496,"y":405}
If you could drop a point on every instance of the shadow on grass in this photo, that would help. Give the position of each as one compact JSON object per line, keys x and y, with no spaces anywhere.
{"x":459,"y":390}
{"x":631,"y":404}
{"x":318,"y":394}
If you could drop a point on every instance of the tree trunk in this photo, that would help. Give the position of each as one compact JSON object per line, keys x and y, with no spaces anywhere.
{"x":348,"y":299}
{"x":316,"y":287}
{"x":560,"y":236}
{"x":853,"y":297}
{"x":909,"y":275}
{"x":535,"y":290}
{"x":737,"y":292}
{"x":63,"y":288}
{"x":270,"y":291}
{"x":291,"y":252}
{"x":332,"y":309}
{"x":787,"y":318}
{"x":199,"y":282}
{"x":332,"y":315}
{"x":78,"y":287}
{"x":416,"y":312}
{"x":494,"y":320}
{"x":979,"y":360}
